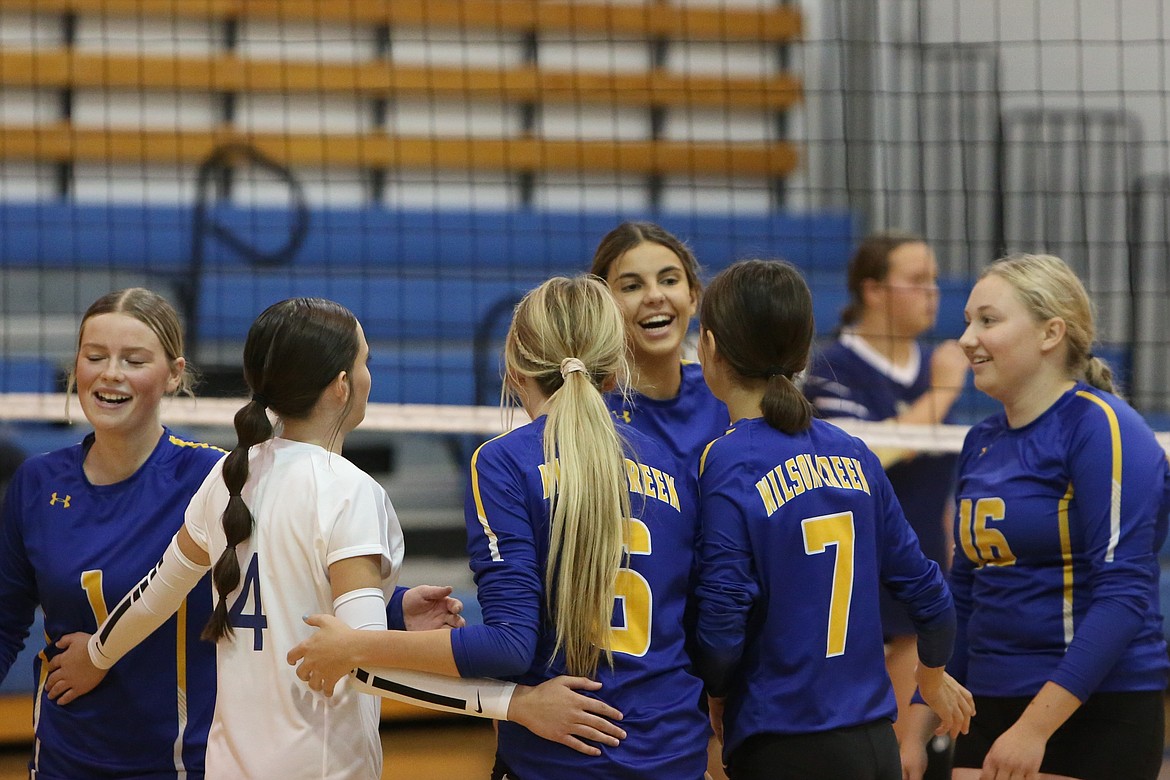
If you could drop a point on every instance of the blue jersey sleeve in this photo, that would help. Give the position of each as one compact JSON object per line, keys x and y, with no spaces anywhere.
{"x":18,"y":593}
{"x":395,"y":620}
{"x":912,"y":578}
{"x":502,"y":548}
{"x":1113,"y":463}
{"x":728,"y":585}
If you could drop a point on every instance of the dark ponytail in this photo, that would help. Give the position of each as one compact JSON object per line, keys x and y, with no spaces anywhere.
{"x":760,"y":312}
{"x":784,"y":406}
{"x":294,"y":350}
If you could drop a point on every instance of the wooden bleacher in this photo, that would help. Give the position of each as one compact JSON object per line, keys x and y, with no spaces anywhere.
{"x":67,"y":69}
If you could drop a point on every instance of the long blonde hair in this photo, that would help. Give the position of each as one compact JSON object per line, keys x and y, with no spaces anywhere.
{"x":562,"y":321}
{"x":1048,"y":288}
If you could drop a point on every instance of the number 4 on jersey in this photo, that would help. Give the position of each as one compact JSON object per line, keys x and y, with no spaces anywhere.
{"x":255,"y":619}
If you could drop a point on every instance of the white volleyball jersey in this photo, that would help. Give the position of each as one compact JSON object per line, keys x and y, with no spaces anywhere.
{"x":311,"y":509}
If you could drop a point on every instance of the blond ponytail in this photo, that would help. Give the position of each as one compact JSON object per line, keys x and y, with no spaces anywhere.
{"x":569,"y":336}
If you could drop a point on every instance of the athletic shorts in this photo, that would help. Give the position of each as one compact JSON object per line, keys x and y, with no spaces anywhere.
{"x":1110,"y":737}
{"x":865,"y":752}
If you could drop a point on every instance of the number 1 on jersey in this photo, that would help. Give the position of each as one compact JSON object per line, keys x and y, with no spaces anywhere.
{"x":91,"y":583}
{"x":256,"y":619}
{"x":819,"y":533}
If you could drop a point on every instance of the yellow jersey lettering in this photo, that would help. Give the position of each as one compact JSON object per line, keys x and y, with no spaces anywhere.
{"x":826,"y":470}
{"x":861,"y":476}
{"x":548,"y":478}
{"x":670,"y":491}
{"x":634,"y":476}
{"x":660,"y":485}
{"x":767,"y":496}
{"x":850,"y":464}
{"x":776,"y":491}
{"x":839,"y":471}
{"x":794,"y":476}
{"x":808,"y":471}
{"x":647,"y":481}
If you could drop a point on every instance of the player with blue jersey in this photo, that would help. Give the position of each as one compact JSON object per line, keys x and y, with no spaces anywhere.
{"x":582,"y":541}
{"x":1062,"y":508}
{"x":81,"y":524}
{"x":878,"y":370}
{"x":800,"y":528}
{"x":650,"y":681}
{"x":655,"y":279}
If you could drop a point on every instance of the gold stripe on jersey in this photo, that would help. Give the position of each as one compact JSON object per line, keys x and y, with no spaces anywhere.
{"x":199,"y":445}
{"x":1115,"y":491}
{"x":805,"y":472}
{"x":91,"y":583}
{"x":37,"y":698}
{"x":181,"y":683}
{"x":493,"y":542}
{"x":703,"y":457}
{"x":1067,"y":557}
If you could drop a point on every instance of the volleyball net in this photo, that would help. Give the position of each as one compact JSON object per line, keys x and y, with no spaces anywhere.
{"x":425,"y":163}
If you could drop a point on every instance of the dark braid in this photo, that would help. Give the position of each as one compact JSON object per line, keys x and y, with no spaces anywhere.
{"x":252,"y":427}
{"x":294,"y":350}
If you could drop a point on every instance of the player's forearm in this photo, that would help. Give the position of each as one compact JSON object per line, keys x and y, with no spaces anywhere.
{"x":478,"y":697}
{"x":158,"y":596}
{"x":931,"y":407}
{"x":1048,"y":711}
{"x":422,"y":651}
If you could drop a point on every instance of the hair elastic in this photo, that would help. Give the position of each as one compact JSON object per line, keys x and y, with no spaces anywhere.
{"x":257,"y":398}
{"x":571,"y":364}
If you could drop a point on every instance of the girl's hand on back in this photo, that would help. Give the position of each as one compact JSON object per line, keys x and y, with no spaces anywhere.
{"x":556,"y":711}
{"x":325,"y":656}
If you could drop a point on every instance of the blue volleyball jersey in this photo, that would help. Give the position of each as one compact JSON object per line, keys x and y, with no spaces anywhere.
{"x":75,"y":548}
{"x":651,"y":681}
{"x":685,"y":423}
{"x":797,"y":533}
{"x":848,"y":379}
{"x":1056,"y":537}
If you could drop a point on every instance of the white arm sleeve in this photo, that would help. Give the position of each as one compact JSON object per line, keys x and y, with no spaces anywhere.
{"x":146,"y":607}
{"x":365,"y":608}
{"x":476,"y":696}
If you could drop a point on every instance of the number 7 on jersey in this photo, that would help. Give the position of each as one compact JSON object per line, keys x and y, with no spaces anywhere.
{"x":819,"y":533}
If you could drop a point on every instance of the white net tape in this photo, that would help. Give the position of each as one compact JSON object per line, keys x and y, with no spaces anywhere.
{"x":449,"y":419}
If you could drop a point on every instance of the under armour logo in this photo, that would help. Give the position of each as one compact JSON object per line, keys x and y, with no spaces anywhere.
{"x":63,"y":501}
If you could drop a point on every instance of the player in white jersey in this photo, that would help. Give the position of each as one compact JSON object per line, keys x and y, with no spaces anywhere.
{"x":294,"y":529}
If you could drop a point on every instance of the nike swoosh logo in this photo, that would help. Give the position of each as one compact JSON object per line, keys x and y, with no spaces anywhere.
{"x":478,"y":706}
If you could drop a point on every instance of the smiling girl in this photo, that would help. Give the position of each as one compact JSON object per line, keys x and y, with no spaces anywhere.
{"x":655,"y":279}
{"x":1062,"y":508}
{"x":81,"y":525}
